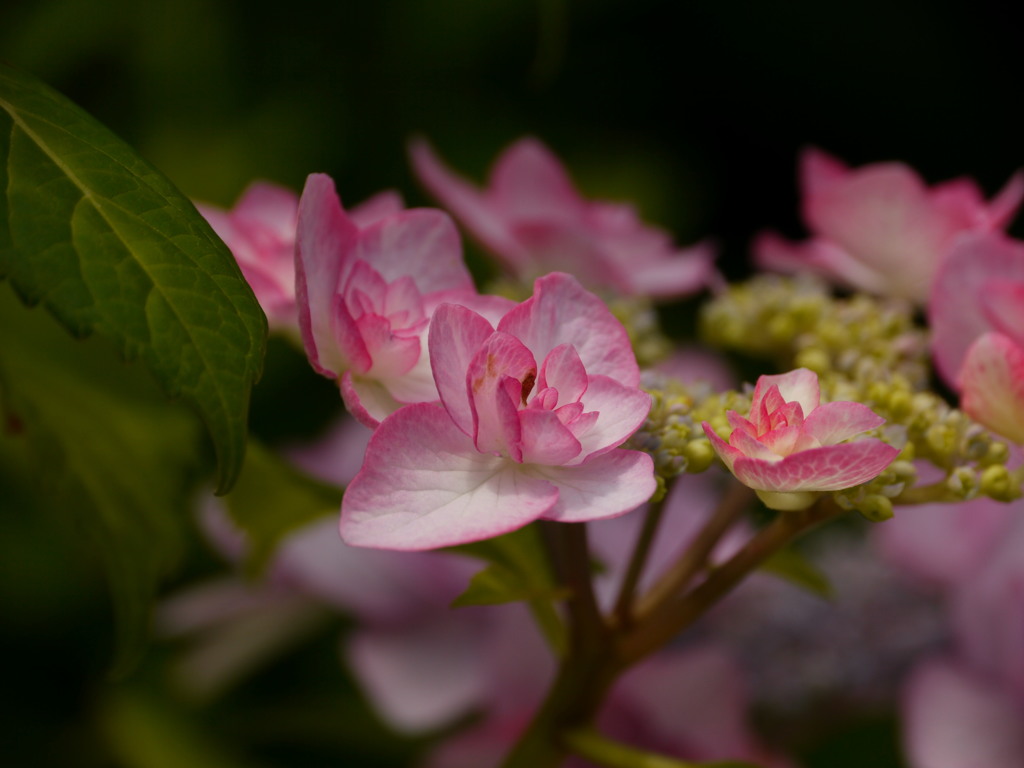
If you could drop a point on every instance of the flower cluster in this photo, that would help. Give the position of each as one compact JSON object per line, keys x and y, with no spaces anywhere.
{"x":481,"y":415}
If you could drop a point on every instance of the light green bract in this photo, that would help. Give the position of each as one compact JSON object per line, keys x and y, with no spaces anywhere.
{"x":109,"y":246}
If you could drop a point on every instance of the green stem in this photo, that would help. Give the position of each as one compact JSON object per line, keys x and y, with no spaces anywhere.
{"x":592,"y":746}
{"x":926,"y":494}
{"x":624,"y":603}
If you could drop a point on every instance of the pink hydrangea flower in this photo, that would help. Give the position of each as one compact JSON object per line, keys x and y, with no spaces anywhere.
{"x":880,"y":228}
{"x":792,"y":448}
{"x":533,"y":414}
{"x":976,"y":314}
{"x":534,"y":220}
{"x":366,"y":293}
{"x":260,"y":232}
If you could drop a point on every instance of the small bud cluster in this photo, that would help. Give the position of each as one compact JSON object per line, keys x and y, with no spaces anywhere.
{"x":866,"y":350}
{"x":672,"y":433}
{"x":799,"y":324}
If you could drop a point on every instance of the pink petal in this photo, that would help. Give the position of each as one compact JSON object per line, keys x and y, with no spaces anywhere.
{"x":753,"y":448}
{"x":621,"y":410}
{"x":956,"y":310}
{"x":325,"y":239}
{"x":829,"y":468}
{"x":489,"y":226}
{"x":421,"y":677}
{"x":1004,"y":307}
{"x":882,"y":214}
{"x":692,"y":702}
{"x":799,"y":385}
{"x":545,"y":440}
{"x":680,"y":273}
{"x":992,"y":385}
{"x":270,"y":207}
{"x":832,"y":423}
{"x":819,"y":170}
{"x":422,"y":244}
{"x":367,"y":400}
{"x":563,"y":370}
{"x":456,"y":333}
{"x":726,"y":452}
{"x":347,"y":345}
{"x":817,"y":256}
{"x":603,"y":486}
{"x":944,"y":544}
{"x":953,"y":719}
{"x":562,"y":312}
{"x":1004,"y":206}
{"x":497,"y":380}
{"x":424,"y":485}
{"x":988,"y":608}
{"x":380,"y":206}
{"x":529,"y":183}
{"x":781,"y":441}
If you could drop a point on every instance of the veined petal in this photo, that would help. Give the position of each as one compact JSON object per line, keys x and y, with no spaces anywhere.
{"x":545,"y":440}
{"x":422,"y":244}
{"x":455,"y":335}
{"x":725,"y":452}
{"x":781,"y":441}
{"x":819,"y":170}
{"x":347,"y":345}
{"x":829,"y":468}
{"x":992,"y":385}
{"x":501,"y":360}
{"x":561,"y":311}
{"x":832,"y":423}
{"x":324,"y":241}
{"x":752,"y":447}
{"x":799,"y":385}
{"x":563,"y":370}
{"x":607,"y":485}
{"x":620,"y":412}
{"x":391,"y":355}
{"x":367,"y":400}
{"x":424,"y":485}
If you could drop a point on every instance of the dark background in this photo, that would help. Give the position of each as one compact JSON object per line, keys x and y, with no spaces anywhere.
{"x":695,"y":111}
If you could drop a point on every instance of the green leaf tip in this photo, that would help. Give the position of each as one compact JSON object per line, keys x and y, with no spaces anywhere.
{"x":109,"y":246}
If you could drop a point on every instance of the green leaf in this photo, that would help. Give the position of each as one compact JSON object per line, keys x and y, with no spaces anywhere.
{"x":519,"y":570}
{"x":791,"y":564}
{"x":273,"y":498}
{"x":109,"y":456}
{"x":496,"y":584}
{"x":109,"y":246}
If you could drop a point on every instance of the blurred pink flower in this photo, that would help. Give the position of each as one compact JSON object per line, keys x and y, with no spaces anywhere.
{"x":260,"y":232}
{"x":976,"y":314}
{"x":791,"y":446}
{"x":880,"y":228}
{"x":533,"y":414}
{"x":533,"y":219}
{"x":366,"y":293}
